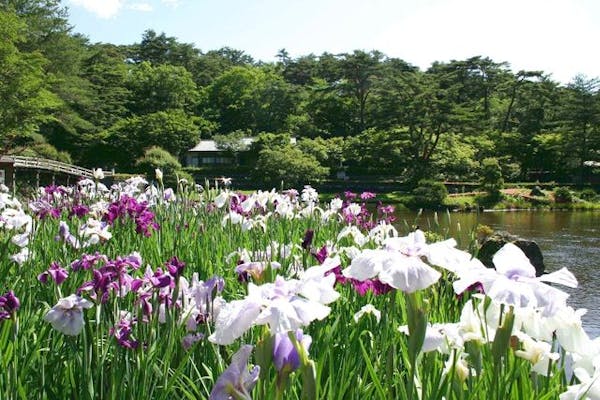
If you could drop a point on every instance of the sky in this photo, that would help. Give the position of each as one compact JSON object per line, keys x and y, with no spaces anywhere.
{"x":559,"y":37}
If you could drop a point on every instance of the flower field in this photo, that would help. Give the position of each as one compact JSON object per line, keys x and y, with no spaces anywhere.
{"x":141,"y":292}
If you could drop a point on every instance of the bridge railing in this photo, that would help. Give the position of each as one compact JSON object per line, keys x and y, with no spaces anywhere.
{"x":50,"y":165}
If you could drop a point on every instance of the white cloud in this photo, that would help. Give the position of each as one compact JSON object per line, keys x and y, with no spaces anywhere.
{"x":145,"y":7}
{"x":102,"y":8}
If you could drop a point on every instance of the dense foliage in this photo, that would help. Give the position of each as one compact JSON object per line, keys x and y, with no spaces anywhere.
{"x":378,"y":114}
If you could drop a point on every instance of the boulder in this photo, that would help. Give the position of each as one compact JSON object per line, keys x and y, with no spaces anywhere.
{"x":495,"y":242}
{"x":537,"y":191}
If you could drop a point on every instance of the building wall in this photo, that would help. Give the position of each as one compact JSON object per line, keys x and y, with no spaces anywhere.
{"x":199,"y":159}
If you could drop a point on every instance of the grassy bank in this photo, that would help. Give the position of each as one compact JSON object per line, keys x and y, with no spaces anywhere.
{"x":511,"y":198}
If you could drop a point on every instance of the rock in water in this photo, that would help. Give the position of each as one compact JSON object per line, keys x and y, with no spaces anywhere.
{"x":495,"y":242}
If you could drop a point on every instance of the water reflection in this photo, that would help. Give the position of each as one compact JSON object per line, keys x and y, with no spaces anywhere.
{"x":567,"y":239}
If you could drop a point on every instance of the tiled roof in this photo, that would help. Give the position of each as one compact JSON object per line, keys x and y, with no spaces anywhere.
{"x":211,"y":145}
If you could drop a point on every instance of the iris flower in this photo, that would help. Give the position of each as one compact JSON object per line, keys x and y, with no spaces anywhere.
{"x":237,"y":381}
{"x":589,"y":386}
{"x":537,"y":352}
{"x":400,"y":271}
{"x":514,"y":282}
{"x":285,"y":354}
{"x":67,"y":315}
{"x":283,"y":305}
{"x":367,"y":309}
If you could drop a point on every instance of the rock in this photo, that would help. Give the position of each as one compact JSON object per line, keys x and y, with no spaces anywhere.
{"x":537,"y":191}
{"x":495,"y":242}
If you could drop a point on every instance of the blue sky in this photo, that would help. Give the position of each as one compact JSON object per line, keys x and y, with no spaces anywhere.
{"x":556,"y":36}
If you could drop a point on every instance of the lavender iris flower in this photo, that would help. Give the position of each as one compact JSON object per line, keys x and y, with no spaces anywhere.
{"x":285,"y":354}
{"x":67,"y":315}
{"x":237,"y":381}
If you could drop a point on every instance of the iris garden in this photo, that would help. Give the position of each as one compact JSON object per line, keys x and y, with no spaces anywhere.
{"x":145,"y":292}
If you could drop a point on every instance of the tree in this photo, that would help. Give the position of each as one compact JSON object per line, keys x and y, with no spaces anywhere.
{"x":328,"y":114}
{"x":473,"y":83}
{"x":491,"y":178}
{"x":328,"y":152}
{"x":360,"y":70}
{"x":288,"y":166}
{"x":24,"y":95}
{"x":214,"y":63}
{"x":173,"y":130}
{"x":163,"y":49}
{"x":455,"y":159}
{"x":160,"y":88}
{"x":581,"y":121}
{"x":430,"y":114}
{"x":157,"y":157}
{"x":377,"y":151}
{"x":429,"y":194}
{"x":250,"y":98}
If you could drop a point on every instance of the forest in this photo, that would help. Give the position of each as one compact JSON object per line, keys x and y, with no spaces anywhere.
{"x":115,"y":106}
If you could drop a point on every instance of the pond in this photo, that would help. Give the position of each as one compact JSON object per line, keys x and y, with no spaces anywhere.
{"x":567,"y":239}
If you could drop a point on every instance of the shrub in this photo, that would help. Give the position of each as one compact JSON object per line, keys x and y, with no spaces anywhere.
{"x":491,"y":177}
{"x":157,"y":157}
{"x":288,"y":165}
{"x":45,"y":150}
{"x":563,"y":195}
{"x":429,"y":194}
{"x":588,"y":194}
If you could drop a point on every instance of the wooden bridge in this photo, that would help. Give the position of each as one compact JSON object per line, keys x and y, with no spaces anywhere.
{"x":10,"y":164}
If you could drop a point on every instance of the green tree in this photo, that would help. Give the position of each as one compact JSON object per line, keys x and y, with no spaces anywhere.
{"x":250,"y":98}
{"x":491,"y":177}
{"x":380,"y":151}
{"x":173,"y":130}
{"x":24,"y":93}
{"x":162,"y":49}
{"x":214,"y":63}
{"x":581,"y":122}
{"x":160,"y":88}
{"x":360,"y":70}
{"x":288,"y":166}
{"x":328,"y":152}
{"x":157,"y":157}
{"x":456,"y":159}
{"x":327,"y":113}
{"x":429,"y":194}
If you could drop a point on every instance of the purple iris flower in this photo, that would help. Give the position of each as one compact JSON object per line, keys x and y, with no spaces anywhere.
{"x":189,"y":340}
{"x":321,"y":255}
{"x":175,"y":267}
{"x":9,"y":304}
{"x":87,"y":261}
{"x":79,"y":210}
{"x":349,"y":195}
{"x":128,"y":206}
{"x":285,"y":354}
{"x":367,"y":195}
{"x":308,"y":238}
{"x":56,"y":272}
{"x":122,"y":333}
{"x":237,"y":381}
